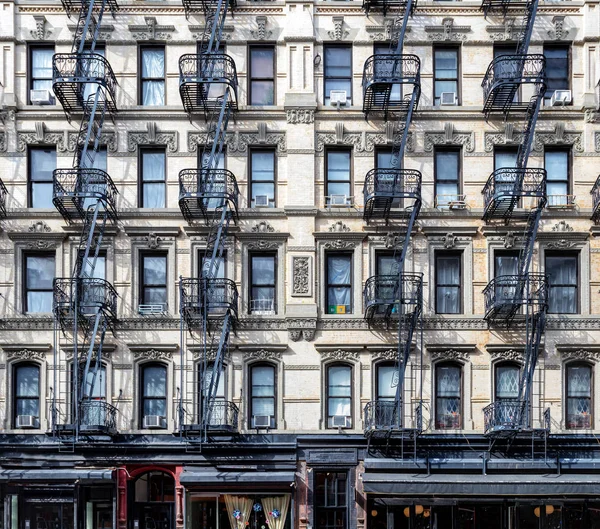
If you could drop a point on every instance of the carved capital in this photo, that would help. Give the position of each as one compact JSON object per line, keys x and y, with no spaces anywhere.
{"x":507,"y":355}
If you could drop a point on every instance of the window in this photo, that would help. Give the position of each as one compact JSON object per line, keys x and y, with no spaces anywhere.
{"x":385,"y":69}
{"x":339,"y":396}
{"x":218,"y":414}
{"x":26,"y":390}
{"x":338,"y":70}
{"x":561,"y":270}
{"x":447,"y":283}
{"x":262,"y":395}
{"x":447,"y":397}
{"x":339,"y":180}
{"x":153,"y":288}
{"x":152,"y":89}
{"x":262,"y":75}
{"x":42,"y":162}
{"x":556,"y":163}
{"x":383,"y":158}
{"x":262,"y":174}
{"x":557,"y":69}
{"x":506,"y":263}
{"x":506,"y":387}
{"x":447,"y":176}
{"x":339,"y":283}
{"x":505,"y":157}
{"x":331,"y":500}
{"x":445,"y":64}
{"x":386,"y":265}
{"x":262,"y":283}
{"x":579,"y":396}
{"x":90,"y":89}
{"x":39,"y":275}
{"x":154,"y":395}
{"x":387,"y":382}
{"x":152,"y":178}
{"x":40,"y":59}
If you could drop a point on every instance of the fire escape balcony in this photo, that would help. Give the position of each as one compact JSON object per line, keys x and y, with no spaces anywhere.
{"x":389,"y":83}
{"x":221,"y":417}
{"x":505,"y":77}
{"x":3,"y":197}
{"x":510,"y":188}
{"x":202,"y":6}
{"x":391,"y":193}
{"x":396,"y":296}
{"x":201,"y":191}
{"x":596,"y":200}
{"x":96,"y":417}
{"x":210,"y":297}
{"x":387,"y":417}
{"x":76,"y":190}
{"x":508,"y":417}
{"x":94,"y":297}
{"x":203,"y":79}
{"x":506,"y":295}
{"x":385,"y":5}
{"x":73,"y":77}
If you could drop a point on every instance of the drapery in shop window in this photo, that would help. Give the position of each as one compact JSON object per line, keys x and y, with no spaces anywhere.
{"x":276,"y":503}
{"x":238,"y":503}
{"x":153,"y":74}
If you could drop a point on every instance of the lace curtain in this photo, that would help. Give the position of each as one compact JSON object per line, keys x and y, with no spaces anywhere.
{"x":279,"y":503}
{"x":239,"y":503}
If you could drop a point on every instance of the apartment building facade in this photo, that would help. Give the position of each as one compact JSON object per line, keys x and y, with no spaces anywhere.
{"x":297,"y":434}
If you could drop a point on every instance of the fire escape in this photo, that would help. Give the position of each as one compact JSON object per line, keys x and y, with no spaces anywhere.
{"x":85,"y":304}
{"x":209,"y":302}
{"x":515,"y":85}
{"x":392,"y":195}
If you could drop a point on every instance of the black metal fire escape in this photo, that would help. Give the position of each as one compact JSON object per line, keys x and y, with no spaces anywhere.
{"x":85,"y":305}
{"x":208,"y":303}
{"x":517,"y":195}
{"x":391,"y":88}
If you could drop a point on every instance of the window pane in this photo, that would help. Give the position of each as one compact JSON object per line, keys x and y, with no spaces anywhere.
{"x":386,"y":382}
{"x":262,"y":93}
{"x":557,"y":69}
{"x":579,"y":381}
{"x":446,"y":64}
{"x":153,"y":166}
{"x":263,"y":270}
{"x":338,"y":61}
{"x":448,"y":284}
{"x":41,"y":63}
{"x":155,"y":270}
{"x":562,"y":277}
{"x":557,"y":165}
{"x":263,"y":166}
{"x":448,"y":381}
{"x":261,"y":62}
{"x":207,"y":377}
{"x":153,"y":63}
{"x":339,"y":380}
{"x":40,"y":272}
{"x":507,"y":382}
{"x":27,"y":383}
{"x":41,"y":164}
{"x":155,"y":381}
{"x":338,"y":166}
{"x":263,"y":381}
{"x":505,"y":159}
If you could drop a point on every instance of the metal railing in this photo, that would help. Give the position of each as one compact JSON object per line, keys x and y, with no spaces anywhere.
{"x":505,"y":294}
{"x":3,"y":197}
{"x":513,"y":69}
{"x":83,"y":68}
{"x":223,"y":415}
{"x":209,"y":186}
{"x":596,"y":200}
{"x":504,"y":415}
{"x":386,"y":415}
{"x":97,"y":415}
{"x":208,"y":68}
{"x":391,"y":68}
{"x":94,"y":296}
{"x":392,"y":184}
{"x":512,"y":183}
{"x":213,"y":296}
{"x":403,"y":291}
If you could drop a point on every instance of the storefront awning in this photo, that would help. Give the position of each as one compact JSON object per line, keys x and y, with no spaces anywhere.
{"x":479,"y":485}
{"x":57,"y":474}
{"x":200,"y":476}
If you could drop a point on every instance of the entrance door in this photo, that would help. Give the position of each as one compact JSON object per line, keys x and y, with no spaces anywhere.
{"x":154,"y":501}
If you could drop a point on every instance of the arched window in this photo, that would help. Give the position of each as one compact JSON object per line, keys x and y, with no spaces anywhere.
{"x":386,"y":383}
{"x":448,"y":404}
{"x":262,"y":396}
{"x":579,"y":396}
{"x":26,"y":396}
{"x":154,"y":396}
{"x":506,"y":383}
{"x":339,"y":396}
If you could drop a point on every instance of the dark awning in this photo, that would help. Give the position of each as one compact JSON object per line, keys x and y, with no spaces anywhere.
{"x":480,"y":485}
{"x":231,"y":478}
{"x":56,"y":474}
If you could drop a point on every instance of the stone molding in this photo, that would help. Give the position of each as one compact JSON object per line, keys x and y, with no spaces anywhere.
{"x":152,"y":136}
{"x":300,"y":115}
{"x":363,"y":143}
{"x":449,"y":137}
{"x":151,"y":30}
{"x":261,"y":33}
{"x":301,"y":276}
{"x":340,"y":355}
{"x":198,"y":32}
{"x":65,"y":141}
{"x":338,"y":32}
{"x":41,"y":31}
{"x":159,"y":352}
{"x":304,"y":328}
{"x":238,"y":142}
{"x":447,"y":32}
{"x":262,"y":355}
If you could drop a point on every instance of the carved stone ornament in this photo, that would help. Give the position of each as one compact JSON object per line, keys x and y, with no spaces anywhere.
{"x":509,"y":31}
{"x":198,"y":32}
{"x":382,"y":33}
{"x":153,"y":354}
{"x":211,"y":355}
{"x":449,"y":240}
{"x":389,"y":355}
{"x":152,"y":240}
{"x":338,"y":32}
{"x":301,"y":328}
{"x":65,"y":141}
{"x":152,"y":136}
{"x":339,"y":355}
{"x":340,"y":244}
{"x":591,"y":116}
{"x":363,"y":143}
{"x":562,"y":227}
{"x":26,"y":354}
{"x":508,"y":137}
{"x":151,"y":30}
{"x":339,"y":227}
{"x":449,"y":354}
{"x":3,"y":142}
{"x":104,"y":34}
{"x":507,"y":355}
{"x":581,"y":354}
{"x":309,"y":334}
{"x":41,"y":32}
{"x":238,"y":142}
{"x":39,"y":227}
{"x":301,"y":276}
{"x":560,"y":136}
{"x":558,"y":32}
{"x":300,"y":115}
{"x":262,"y":227}
{"x":447,"y":31}
{"x":261,"y":33}
{"x":560,"y":244}
{"x":449,"y":137}
{"x":105,"y":354}
{"x":263,"y":245}
{"x":262,"y":354}
{"x":295,"y":334}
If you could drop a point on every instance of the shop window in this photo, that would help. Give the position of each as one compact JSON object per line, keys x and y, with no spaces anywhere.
{"x":448,"y":397}
{"x":48,"y":510}
{"x":154,"y":501}
{"x":579,"y":397}
{"x":331,"y":500}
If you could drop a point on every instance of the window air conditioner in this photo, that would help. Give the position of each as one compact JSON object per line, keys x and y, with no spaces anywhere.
{"x":457,"y":204}
{"x":26,"y":421}
{"x":340,"y":421}
{"x":448,"y":99}
{"x":40,"y":97}
{"x":152,"y":308}
{"x":262,"y":421}
{"x":560,"y":97}
{"x":154,"y":421}
{"x":338,"y":200}
{"x":261,"y":200}
{"x":337,"y":97}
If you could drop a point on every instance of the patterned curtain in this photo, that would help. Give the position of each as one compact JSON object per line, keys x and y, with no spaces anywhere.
{"x":239,"y":503}
{"x":279,"y":503}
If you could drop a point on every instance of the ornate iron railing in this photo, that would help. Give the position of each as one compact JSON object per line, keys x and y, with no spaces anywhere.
{"x":392,"y":184}
{"x":385,"y":5}
{"x":223,"y":415}
{"x":505,"y":294}
{"x":210,"y":187}
{"x":504,"y":415}
{"x":208,"y":68}
{"x":94,"y":296}
{"x":84,"y":68}
{"x":508,"y":183}
{"x":513,"y":69}
{"x":596,"y":200}
{"x":403,"y":292}
{"x":391,"y":68}
{"x":387,"y":415}
{"x":97,"y":415}
{"x":3,"y":197}
{"x":215,"y":297}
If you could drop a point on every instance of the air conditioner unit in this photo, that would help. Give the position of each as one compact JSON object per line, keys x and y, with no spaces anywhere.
{"x":337,"y":97}
{"x":448,"y":99}
{"x":560,"y":97}
{"x":262,"y":421}
{"x":261,"y":200}
{"x":338,"y":200}
{"x":27,"y":421}
{"x":154,"y":421}
{"x":40,"y":97}
{"x":457,"y":204}
{"x":146,"y":309}
{"x":340,"y":421}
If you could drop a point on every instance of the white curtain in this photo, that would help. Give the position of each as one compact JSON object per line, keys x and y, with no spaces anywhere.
{"x":339,"y":273}
{"x":153,"y":72}
{"x":41,"y":69}
{"x":340,"y":391}
{"x":276,"y":503}
{"x":40,"y":275}
{"x":239,"y":503}
{"x":562,"y":275}
{"x":448,"y":278}
{"x":153,"y":175}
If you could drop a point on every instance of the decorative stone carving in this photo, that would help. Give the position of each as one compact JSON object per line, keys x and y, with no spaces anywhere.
{"x":340,"y":244}
{"x":211,"y":354}
{"x":339,"y":354}
{"x":561,"y":244}
{"x":558,"y":32}
{"x":509,"y":31}
{"x":42,"y":244}
{"x":581,"y":354}
{"x":559,"y":137}
{"x":389,"y":355}
{"x":382,"y":33}
{"x":447,"y":31}
{"x":449,"y":137}
{"x":104,"y":34}
{"x":301,"y":328}
{"x":263,"y":245}
{"x":198,"y":32}
{"x":39,"y":227}
{"x":41,"y":32}
{"x":562,"y":226}
{"x":508,"y":137}
{"x":300,"y":115}
{"x":339,"y":227}
{"x":26,"y":354}
{"x":363,"y":143}
{"x":153,"y":354}
{"x":261,"y":32}
{"x":309,"y":334}
{"x":591,"y":116}
{"x":65,"y":141}
{"x":449,"y":240}
{"x":262,"y":354}
{"x":262,"y":227}
{"x":295,"y":334}
{"x":508,"y":355}
{"x":152,"y":240}
{"x":151,"y":30}
{"x":3,"y":143}
{"x":238,"y":142}
{"x":152,"y":136}
{"x":301,"y":276}
{"x":338,"y":32}
{"x":509,"y":240}
{"x":449,"y":354}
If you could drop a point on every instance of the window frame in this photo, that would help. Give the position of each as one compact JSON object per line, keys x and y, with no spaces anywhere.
{"x":378,"y":396}
{"x":572,"y":254}
{"x":501,"y":364}
{"x":349,"y":97}
{"x":251,"y":255}
{"x":26,"y":290}
{"x":16,"y":398}
{"x":459,"y":168}
{"x":30,"y":79}
{"x":251,"y":397}
{"x":142,"y":285}
{"x":252,"y":78}
{"x":350,"y":181}
{"x":589,"y":366}
{"x":335,"y":253}
{"x":142,"y":182}
{"x":460,"y":397}
{"x":569,"y":177}
{"x":344,"y":509}
{"x":569,"y":84}
{"x":143,"y":398}
{"x":459,"y":255}
{"x":457,"y":49}
{"x":252,"y":181}
{"x":30,"y":181}
{"x":142,"y":79}
{"x":328,"y":367}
